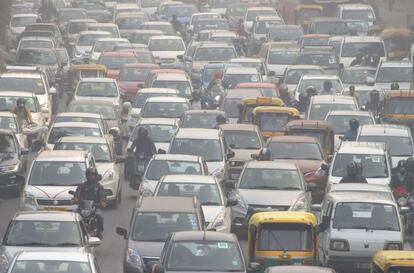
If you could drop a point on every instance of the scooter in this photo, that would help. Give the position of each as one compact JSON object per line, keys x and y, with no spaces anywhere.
{"x":141,"y":162}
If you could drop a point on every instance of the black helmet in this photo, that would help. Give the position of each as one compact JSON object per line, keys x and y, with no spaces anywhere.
{"x":354,"y":124}
{"x":265,"y":154}
{"x":20,"y":102}
{"x":402,"y":166}
{"x":395,"y":86}
{"x":220,"y":119}
{"x":142,"y":132}
{"x":91,"y":174}
{"x":352,"y":88}
{"x":327,"y":85}
{"x":352,"y":168}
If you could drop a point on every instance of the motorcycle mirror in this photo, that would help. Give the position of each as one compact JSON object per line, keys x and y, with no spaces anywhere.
{"x":94,"y":241}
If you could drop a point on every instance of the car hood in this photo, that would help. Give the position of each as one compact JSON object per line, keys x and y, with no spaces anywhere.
{"x":129,"y":86}
{"x":211,"y":212}
{"x":147,"y":249}
{"x":114,"y":100}
{"x":244,"y":154}
{"x":167,"y":54}
{"x":11,"y":251}
{"x":52,"y":192}
{"x":162,"y":145}
{"x":7,"y":159}
{"x":269,"y":197}
{"x":103,"y":167}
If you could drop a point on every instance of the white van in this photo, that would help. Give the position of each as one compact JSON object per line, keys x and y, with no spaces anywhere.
{"x":353,"y":45}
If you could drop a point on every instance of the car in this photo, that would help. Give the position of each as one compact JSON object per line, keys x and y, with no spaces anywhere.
{"x":289,"y":33}
{"x":276,"y":185}
{"x":64,"y":15}
{"x":44,"y":231}
{"x":203,"y":26}
{"x":165,"y":107}
{"x":307,"y":153}
{"x":107,"y":162}
{"x":166,"y":49}
{"x":356,"y":12}
{"x":200,"y":119}
{"x":216,"y":208}
{"x":344,"y":221}
{"x":374,"y":157}
{"x":397,"y":137}
{"x":317,"y":81}
{"x":357,"y":76}
{"x":253,"y":12}
{"x":128,"y":23}
{"x":83,"y":117}
{"x":105,"y":44}
{"x":178,"y":81}
{"x":320,"y":105}
{"x":394,"y":71}
{"x":52,"y":27}
{"x":220,"y":35}
{"x":84,"y":44}
{"x":61,"y":129}
{"x":208,"y":143}
{"x":293,"y":74}
{"x":224,"y":253}
{"x":352,"y":46}
{"x":103,"y":89}
{"x":39,"y":42}
{"x":115,"y":60}
{"x":50,"y":178}
{"x":323,"y":56}
{"x":236,"y":12}
{"x":231,"y":99}
{"x":244,"y":140}
{"x":17,"y":25}
{"x":201,"y":15}
{"x":279,"y":57}
{"x":14,"y":162}
{"x":149,"y":6}
{"x":314,"y":40}
{"x":235,"y":75}
{"x":74,"y":27}
{"x":328,"y":25}
{"x":153,"y":219}
{"x":164,"y":6}
{"x":340,"y":121}
{"x":251,"y":62}
{"x":261,"y":27}
{"x":165,"y":27}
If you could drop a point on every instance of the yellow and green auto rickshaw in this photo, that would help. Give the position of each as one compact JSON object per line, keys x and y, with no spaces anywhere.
{"x":393,"y":261}
{"x":397,"y":42}
{"x":304,"y":13}
{"x":272,"y":120}
{"x":398,"y":108}
{"x":282,"y":238}
{"x":248,"y":104}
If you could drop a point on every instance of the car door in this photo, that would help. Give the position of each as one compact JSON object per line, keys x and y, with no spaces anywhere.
{"x":323,"y":237}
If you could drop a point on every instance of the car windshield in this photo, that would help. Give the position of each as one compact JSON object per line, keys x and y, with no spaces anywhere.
{"x":401,"y":105}
{"x":397,"y":145}
{"x":158,"y":168}
{"x":45,"y":173}
{"x":324,"y":60}
{"x":234,"y":79}
{"x":166,"y":29}
{"x":166,"y":45}
{"x":394,"y":74}
{"x":141,"y":98}
{"x":208,"y":194}
{"x":164,"y":109}
{"x":9,"y":103}
{"x":341,"y":122}
{"x":107,"y":111}
{"x":116,"y":62}
{"x":100,"y":152}
{"x":295,"y":150}
{"x":373,"y":165}
{"x":293,"y":75}
{"x":314,"y":41}
{"x":92,"y":6}
{"x":97,"y":89}
{"x":364,"y":215}
{"x":318,"y":85}
{"x":282,"y":57}
{"x":112,"y":30}
{"x":332,"y":28}
{"x":23,"y":21}
{"x":76,"y":27}
{"x":319,"y":111}
{"x":7,"y":144}
{"x":201,"y":120}
{"x":183,"y":87}
{"x":237,"y":10}
{"x":285,"y":237}
{"x":157,"y":132}
{"x":67,"y":15}
{"x":9,"y":123}
{"x":219,"y":4}
{"x":150,"y":3}
{"x":353,"y":49}
{"x":33,"y":56}
{"x":273,"y":121}
{"x":262,"y":27}
{"x":230,"y":106}
{"x":284,"y":34}
{"x":205,"y":255}
{"x":59,"y":132}
{"x":306,"y":14}
{"x":353,"y":76}
{"x":89,"y":39}
{"x":209,"y":149}
{"x":143,"y":38}
{"x":22,"y":266}
{"x":130,"y":23}
{"x":181,"y":11}
{"x":214,"y":54}
{"x":242,"y":139}
{"x":270,"y":179}
{"x":156,"y":226}
{"x":101,"y":46}
{"x":43,"y":233}
{"x":364,"y":15}
{"x":252,"y":14}
{"x":22,"y":84}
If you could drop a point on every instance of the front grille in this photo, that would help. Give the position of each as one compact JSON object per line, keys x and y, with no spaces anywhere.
{"x":51,"y":202}
{"x":147,"y":260}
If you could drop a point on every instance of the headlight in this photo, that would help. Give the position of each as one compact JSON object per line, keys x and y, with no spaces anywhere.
{"x":133,"y":257}
{"x":393,"y":246}
{"x":108,"y":176}
{"x":299,"y":205}
{"x":339,"y":245}
{"x":4,"y":263}
{"x":10,"y":168}
{"x":29,"y":199}
{"x":219,"y":221}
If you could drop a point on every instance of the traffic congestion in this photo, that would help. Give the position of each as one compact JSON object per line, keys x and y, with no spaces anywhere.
{"x":250,"y":136}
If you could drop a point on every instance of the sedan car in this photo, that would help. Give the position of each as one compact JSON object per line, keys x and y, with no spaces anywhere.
{"x":165,"y":107}
{"x":98,"y":89}
{"x":200,"y":119}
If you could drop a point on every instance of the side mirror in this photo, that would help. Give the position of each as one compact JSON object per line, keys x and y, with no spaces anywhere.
{"x":404,"y":210}
{"x":325,"y":167}
{"x":122,"y":231}
{"x":24,"y":151}
{"x":363,"y":107}
{"x":324,"y":225}
{"x":94,"y":241}
{"x":52,"y":91}
{"x":254,"y":267}
{"x":161,"y":152}
{"x":230,"y":154}
{"x":231,"y":202}
{"x":119,"y":159}
{"x":316,"y":207}
{"x":311,"y":187}
{"x":71,"y":192}
{"x":180,"y":57}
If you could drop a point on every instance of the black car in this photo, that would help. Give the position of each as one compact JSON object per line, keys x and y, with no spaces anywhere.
{"x":11,"y":163}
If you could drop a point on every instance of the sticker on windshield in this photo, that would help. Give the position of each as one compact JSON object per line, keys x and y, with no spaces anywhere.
{"x":222,"y":245}
{"x":376,"y":159}
{"x":331,"y":61}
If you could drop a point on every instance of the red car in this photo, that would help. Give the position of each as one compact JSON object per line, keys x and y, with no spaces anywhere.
{"x":132,"y":75}
{"x":115,"y":60}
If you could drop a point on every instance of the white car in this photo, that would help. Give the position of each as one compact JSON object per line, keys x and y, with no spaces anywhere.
{"x":397,"y":137}
{"x":216,"y":211}
{"x":358,"y":12}
{"x":317,"y":81}
{"x":166,"y":49}
{"x":294,"y":73}
{"x":353,"y":45}
{"x":394,"y":71}
{"x":52,"y":175}
{"x":279,"y":57}
{"x":233,"y":75}
{"x":103,"y":89}
{"x":253,"y":12}
{"x":84,"y":44}
{"x":105,"y":44}
{"x":107,"y":162}
{"x":320,"y":105}
{"x":18,"y":23}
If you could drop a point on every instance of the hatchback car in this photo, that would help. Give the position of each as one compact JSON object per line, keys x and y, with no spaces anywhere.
{"x":320,"y":105}
{"x":201,"y":119}
{"x":166,"y":49}
{"x":165,"y":107}
{"x":98,"y":89}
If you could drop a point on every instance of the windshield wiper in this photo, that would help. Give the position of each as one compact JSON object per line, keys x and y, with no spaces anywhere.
{"x":210,"y":204}
{"x":291,"y":188}
{"x":265,"y":188}
{"x":31,"y":244}
{"x":66,"y":244}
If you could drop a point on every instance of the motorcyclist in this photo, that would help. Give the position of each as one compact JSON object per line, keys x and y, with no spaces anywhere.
{"x":220,"y":119}
{"x":327,"y":88}
{"x":401,"y":178}
{"x":143,"y":144}
{"x":304,"y":101}
{"x":216,"y":82}
{"x":395,"y":86}
{"x":91,"y":189}
{"x":351,"y":133}
{"x":206,"y":100}
{"x":22,"y":112}
{"x":374,"y":102}
{"x":353,"y":173}
{"x":359,"y":59}
{"x":176,"y":24}
{"x":241,"y":31}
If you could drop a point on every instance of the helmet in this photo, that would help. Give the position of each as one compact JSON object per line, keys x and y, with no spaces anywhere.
{"x":91,"y":174}
{"x":218,"y":74}
{"x":352,"y":88}
{"x":352,"y":168}
{"x":220,"y":119}
{"x":354,"y":124}
{"x":20,"y":102}
{"x":142,"y":132}
{"x":327,"y":85}
{"x":374,"y":95}
{"x":402,"y":166}
{"x":395,"y":86}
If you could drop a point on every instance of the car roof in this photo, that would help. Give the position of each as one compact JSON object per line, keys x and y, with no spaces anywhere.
{"x":238,"y":93}
{"x":167,"y":204}
{"x":157,"y":121}
{"x":159,"y":90}
{"x":214,"y":45}
{"x":327,"y":19}
{"x":177,"y":157}
{"x":117,"y":54}
{"x":260,"y":8}
{"x":359,"y":187}
{"x":353,"y":147}
{"x":172,"y":77}
{"x":75,"y":124}
{"x":83,"y":139}
{"x":6,"y":132}
{"x":299,"y":139}
{"x":55,"y":155}
{"x":25,"y":15}
{"x":7,"y":114}
{"x":79,"y":114}
{"x":49,"y":255}
{"x":63,"y":216}
{"x":27,"y":75}
{"x":360,"y":39}
{"x":304,"y":66}
{"x":299,"y":269}
{"x":167,"y":99}
{"x":333,"y":99}
{"x":320,"y":77}
{"x":197,"y":133}
{"x":17,"y":94}
{"x":241,"y":70}
{"x":93,"y":32}
{"x":357,"y":67}
{"x":204,"y":112}
{"x":239,"y":127}
{"x":354,"y":6}
{"x":204,"y":236}
{"x":384,"y":130}
{"x":189,"y":178}
{"x":273,"y":164}
{"x":396,"y":64}
{"x":349,"y":113}
{"x":97,"y":79}
{"x":93,"y":102}
{"x":165,"y":37}
{"x":363,"y":197}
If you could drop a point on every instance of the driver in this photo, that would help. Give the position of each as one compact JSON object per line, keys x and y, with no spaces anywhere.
{"x":143,"y":144}
{"x":353,"y":173}
{"x":351,"y":133}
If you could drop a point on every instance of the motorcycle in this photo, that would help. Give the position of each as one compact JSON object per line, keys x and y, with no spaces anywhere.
{"x":240,"y":45}
{"x":87,"y":209}
{"x":140,"y":164}
{"x":406,"y":199}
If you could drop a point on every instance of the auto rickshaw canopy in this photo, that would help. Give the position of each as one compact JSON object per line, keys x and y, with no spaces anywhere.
{"x":389,"y":258}
{"x":300,"y":217}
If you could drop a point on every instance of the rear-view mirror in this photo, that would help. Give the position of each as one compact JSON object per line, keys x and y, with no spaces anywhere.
{"x":121,"y":231}
{"x":94,"y":241}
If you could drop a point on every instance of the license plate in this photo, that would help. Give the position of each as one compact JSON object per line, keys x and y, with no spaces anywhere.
{"x":57,"y":208}
{"x":362,"y":265}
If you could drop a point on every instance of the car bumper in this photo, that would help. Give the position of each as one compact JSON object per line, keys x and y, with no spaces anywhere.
{"x":350,"y":264}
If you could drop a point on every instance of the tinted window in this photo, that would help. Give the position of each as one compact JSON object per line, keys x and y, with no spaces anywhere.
{"x":57,"y":173}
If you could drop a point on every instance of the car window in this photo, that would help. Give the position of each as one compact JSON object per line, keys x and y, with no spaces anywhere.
{"x":295,"y":150}
{"x":164,"y":109}
{"x":50,"y":266}
{"x":270,"y":179}
{"x":59,"y":132}
{"x":209,"y":149}
{"x":158,"y":168}
{"x":373,"y":165}
{"x":22,"y":84}
{"x":242,"y":139}
{"x":97,"y":89}
{"x":45,"y":173}
{"x":207,"y":194}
